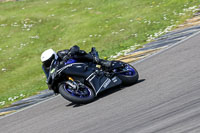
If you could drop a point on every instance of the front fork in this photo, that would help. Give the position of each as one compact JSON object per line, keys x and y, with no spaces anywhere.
{"x":75,"y":85}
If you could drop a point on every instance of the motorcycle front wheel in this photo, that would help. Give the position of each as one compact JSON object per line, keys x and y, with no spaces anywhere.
{"x":80,"y":96}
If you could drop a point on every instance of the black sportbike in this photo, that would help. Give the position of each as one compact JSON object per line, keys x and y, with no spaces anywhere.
{"x":81,"y":82}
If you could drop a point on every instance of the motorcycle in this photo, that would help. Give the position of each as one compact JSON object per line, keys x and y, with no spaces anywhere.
{"x":81,"y":82}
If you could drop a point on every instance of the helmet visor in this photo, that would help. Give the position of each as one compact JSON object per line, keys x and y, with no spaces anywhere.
{"x":47,"y":63}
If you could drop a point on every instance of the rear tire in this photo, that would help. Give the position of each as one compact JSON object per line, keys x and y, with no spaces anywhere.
{"x":68,"y":95}
{"x":128,"y":80}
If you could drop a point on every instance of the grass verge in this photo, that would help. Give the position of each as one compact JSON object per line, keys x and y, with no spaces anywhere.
{"x":29,"y":27}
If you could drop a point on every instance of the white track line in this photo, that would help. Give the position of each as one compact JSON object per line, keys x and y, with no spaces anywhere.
{"x":167,"y":48}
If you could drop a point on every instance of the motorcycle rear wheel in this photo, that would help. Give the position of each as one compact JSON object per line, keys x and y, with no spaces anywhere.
{"x":129,"y":78}
{"x":86,"y":96}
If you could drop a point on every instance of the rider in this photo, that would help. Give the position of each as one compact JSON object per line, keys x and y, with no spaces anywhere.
{"x":73,"y":53}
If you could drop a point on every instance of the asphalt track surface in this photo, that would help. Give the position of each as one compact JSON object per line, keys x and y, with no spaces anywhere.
{"x":166,"y":100}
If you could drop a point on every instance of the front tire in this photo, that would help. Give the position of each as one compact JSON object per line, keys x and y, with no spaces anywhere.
{"x":82,"y":97}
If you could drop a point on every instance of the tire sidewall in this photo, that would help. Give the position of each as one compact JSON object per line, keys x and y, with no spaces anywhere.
{"x":75,"y":99}
{"x":129,"y":80}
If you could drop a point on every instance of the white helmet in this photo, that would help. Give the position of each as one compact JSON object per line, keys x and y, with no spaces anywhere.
{"x":47,"y":57}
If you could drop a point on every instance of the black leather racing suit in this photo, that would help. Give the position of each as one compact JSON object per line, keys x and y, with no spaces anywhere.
{"x":79,"y":55}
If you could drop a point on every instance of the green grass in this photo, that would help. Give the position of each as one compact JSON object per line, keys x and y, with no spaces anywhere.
{"x":27,"y":28}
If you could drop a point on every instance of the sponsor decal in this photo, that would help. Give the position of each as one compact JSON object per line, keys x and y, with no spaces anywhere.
{"x":53,"y":70}
{"x":114,"y":79}
{"x":106,"y":83}
{"x":78,"y":66}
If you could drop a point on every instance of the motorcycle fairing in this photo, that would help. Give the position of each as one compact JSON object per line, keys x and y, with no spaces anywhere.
{"x":77,"y":69}
{"x":97,"y":80}
{"x":70,"y":61}
{"x":101,"y":82}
